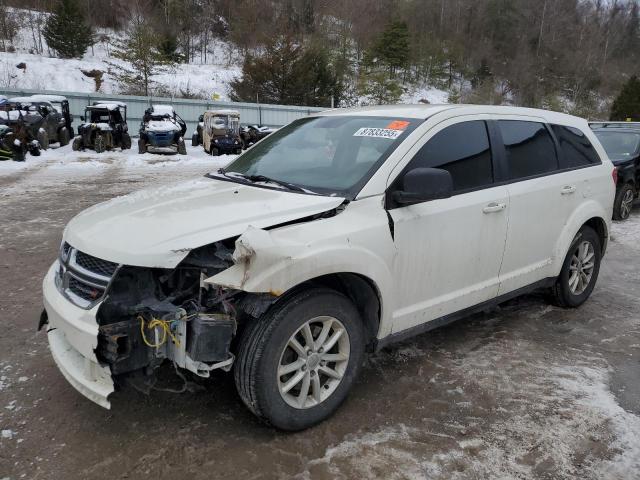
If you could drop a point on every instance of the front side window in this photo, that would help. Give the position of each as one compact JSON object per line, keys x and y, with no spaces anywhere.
{"x":575,"y":147}
{"x":328,"y":155}
{"x":529,"y":148}
{"x":461,"y":149}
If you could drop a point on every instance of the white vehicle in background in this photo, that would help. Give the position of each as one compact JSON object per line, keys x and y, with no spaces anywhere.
{"x":339,"y":233}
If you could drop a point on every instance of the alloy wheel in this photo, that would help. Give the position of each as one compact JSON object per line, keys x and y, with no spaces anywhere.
{"x":581,"y":268}
{"x":313,"y":362}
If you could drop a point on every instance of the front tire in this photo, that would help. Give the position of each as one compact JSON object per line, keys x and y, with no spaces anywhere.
{"x":142,"y":146}
{"x":296,"y":365}
{"x":99,"y":145}
{"x":182,"y":148}
{"x":43,"y":139}
{"x":623,"y":203}
{"x":579,"y":271}
{"x":63,"y":136}
{"x":77,"y":144}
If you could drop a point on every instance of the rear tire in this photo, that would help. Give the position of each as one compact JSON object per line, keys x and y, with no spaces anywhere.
{"x":579,"y":271}
{"x":194,"y":140}
{"x":63,"y":136}
{"x":142,"y":146}
{"x":623,"y":203}
{"x":77,"y":144}
{"x":214,"y":152}
{"x":126,"y":142}
{"x":279,"y":340}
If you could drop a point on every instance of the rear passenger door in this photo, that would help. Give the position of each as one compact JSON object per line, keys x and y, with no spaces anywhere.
{"x":448,"y":251}
{"x":543,"y":193}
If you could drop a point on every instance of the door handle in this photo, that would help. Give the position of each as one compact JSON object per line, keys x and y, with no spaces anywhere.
{"x":568,"y":190}
{"x":494,"y":207}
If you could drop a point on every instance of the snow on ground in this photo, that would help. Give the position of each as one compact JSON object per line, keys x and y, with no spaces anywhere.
{"x":57,"y":165}
{"x":628,"y":232}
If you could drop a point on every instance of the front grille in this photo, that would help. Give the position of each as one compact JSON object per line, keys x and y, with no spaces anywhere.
{"x":83,"y":278}
{"x":95,"y":265}
{"x":84,"y":291}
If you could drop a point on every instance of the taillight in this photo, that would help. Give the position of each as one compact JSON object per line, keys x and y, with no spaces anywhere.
{"x":614,"y":175}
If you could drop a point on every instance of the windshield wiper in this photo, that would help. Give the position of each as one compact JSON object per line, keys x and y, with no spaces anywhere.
{"x":287,"y":185}
{"x":263,"y":178}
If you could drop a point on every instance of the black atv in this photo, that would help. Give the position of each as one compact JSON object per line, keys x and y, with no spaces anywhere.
{"x":15,"y":137}
{"x":104,"y":127}
{"x":162,"y":131}
{"x":53,"y":126}
{"x":61,"y":104}
{"x":252,"y":134}
{"x":196,"y":138}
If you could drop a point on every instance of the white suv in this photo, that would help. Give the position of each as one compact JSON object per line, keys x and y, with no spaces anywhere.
{"x":340,"y":233}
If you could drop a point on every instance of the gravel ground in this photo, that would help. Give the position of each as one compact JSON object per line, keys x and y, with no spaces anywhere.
{"x":523,"y":391}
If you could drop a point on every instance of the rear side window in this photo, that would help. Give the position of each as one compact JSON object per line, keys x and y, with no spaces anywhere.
{"x":529,"y":147}
{"x":575,"y":148}
{"x":461,"y":149}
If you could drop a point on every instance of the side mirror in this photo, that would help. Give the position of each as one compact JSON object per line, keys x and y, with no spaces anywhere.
{"x":424,"y":184}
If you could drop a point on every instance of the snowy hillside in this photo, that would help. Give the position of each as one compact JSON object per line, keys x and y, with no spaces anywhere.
{"x":23,"y":67}
{"x":47,"y":72}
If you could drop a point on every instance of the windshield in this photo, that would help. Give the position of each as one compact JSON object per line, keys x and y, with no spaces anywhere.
{"x":330,"y":155}
{"x":619,"y":144}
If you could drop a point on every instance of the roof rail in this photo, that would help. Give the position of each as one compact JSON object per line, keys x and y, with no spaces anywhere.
{"x":619,"y":124}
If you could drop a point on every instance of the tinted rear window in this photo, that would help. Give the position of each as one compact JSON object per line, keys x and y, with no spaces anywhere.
{"x":529,"y":147}
{"x":575,"y":148}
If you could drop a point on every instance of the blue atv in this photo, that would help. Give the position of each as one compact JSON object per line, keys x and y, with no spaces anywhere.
{"x":162,"y":131}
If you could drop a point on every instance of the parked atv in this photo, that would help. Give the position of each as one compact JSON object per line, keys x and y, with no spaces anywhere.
{"x":221,"y":132}
{"x":61,"y":104}
{"x":16,"y":138}
{"x":196,"y":138}
{"x":252,"y":134}
{"x":104,"y":127}
{"x":52,"y":127}
{"x":162,"y":131}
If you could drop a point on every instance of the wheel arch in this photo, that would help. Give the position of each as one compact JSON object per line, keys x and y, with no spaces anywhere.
{"x":361,"y":290}
{"x":591,"y":214}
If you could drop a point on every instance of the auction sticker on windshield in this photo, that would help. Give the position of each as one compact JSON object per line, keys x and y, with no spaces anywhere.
{"x":378,"y":133}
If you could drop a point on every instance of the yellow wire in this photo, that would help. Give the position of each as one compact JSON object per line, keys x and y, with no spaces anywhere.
{"x":166,"y":331}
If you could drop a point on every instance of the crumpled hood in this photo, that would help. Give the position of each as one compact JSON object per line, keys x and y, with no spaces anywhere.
{"x":158,"y":227}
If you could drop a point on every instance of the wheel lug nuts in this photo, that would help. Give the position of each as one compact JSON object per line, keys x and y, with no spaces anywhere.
{"x":321,"y":350}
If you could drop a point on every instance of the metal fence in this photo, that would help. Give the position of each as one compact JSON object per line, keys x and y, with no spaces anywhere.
{"x":188,"y":109}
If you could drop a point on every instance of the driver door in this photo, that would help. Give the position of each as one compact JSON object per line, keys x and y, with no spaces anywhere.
{"x":449,"y":251}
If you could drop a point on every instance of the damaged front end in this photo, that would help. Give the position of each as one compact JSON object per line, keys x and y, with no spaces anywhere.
{"x":148,"y":316}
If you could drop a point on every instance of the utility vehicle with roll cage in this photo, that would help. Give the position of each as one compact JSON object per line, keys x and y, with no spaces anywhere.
{"x":162,"y":131}
{"x":221,"y":132}
{"x":48,"y":125}
{"x":104,"y":128}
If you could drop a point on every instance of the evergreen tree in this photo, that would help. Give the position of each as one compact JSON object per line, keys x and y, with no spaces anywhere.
{"x":391,"y":49}
{"x":142,"y":60}
{"x":288,"y":73}
{"x":66,"y":30}
{"x":627,"y":104}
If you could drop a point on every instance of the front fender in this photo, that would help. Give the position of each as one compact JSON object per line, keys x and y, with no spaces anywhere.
{"x":268,"y":265}
{"x":588,"y":210}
